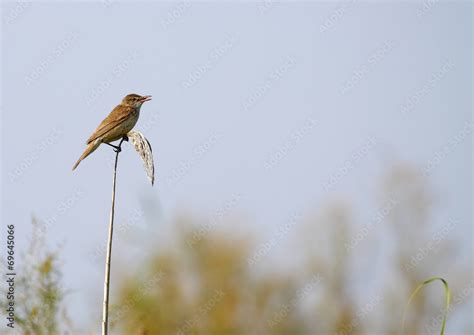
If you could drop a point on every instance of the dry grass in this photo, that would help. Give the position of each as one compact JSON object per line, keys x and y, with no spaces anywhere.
{"x":143,"y":147}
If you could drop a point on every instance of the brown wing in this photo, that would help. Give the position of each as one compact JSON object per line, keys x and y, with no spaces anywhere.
{"x":116,"y":116}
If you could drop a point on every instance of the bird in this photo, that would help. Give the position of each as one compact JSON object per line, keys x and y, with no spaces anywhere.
{"x":116,"y":125}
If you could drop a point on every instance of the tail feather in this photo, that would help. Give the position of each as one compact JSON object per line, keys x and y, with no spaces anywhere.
{"x":90,"y":149}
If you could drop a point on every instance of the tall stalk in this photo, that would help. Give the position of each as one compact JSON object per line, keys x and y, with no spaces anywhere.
{"x":105,"y":310}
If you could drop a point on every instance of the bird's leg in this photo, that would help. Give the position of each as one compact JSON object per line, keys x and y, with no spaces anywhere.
{"x":117,"y":148}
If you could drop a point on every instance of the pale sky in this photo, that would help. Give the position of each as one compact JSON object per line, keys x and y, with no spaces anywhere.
{"x":262,"y":101}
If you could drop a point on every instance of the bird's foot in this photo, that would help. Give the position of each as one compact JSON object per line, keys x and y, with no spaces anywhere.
{"x":116,"y":148}
{"x":125,"y":138}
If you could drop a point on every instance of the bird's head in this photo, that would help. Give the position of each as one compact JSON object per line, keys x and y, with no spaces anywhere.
{"x":135,"y":100}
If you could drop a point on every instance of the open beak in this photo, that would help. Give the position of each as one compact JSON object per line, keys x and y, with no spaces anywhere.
{"x":145,"y":98}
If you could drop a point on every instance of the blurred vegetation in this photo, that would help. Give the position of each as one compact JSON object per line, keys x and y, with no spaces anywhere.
{"x":39,"y":293}
{"x":334,"y":276}
{"x":325,"y":273}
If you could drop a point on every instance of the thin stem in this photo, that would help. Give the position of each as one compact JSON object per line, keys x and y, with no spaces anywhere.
{"x":105,"y":310}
